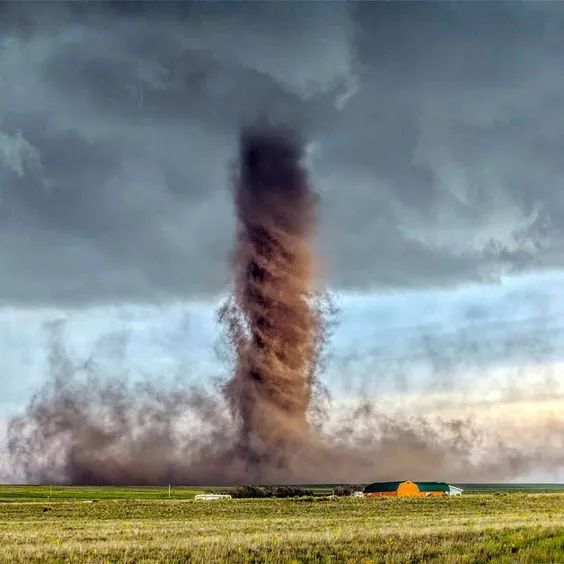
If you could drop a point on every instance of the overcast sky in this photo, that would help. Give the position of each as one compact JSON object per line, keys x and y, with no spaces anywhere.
{"x":435,"y":135}
{"x":435,"y":139}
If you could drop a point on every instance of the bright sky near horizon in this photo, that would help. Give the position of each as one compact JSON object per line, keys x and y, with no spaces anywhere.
{"x":490,"y":352}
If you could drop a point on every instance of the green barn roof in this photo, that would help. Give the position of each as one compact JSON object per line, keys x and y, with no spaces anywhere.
{"x":432,"y":486}
{"x":382,"y":487}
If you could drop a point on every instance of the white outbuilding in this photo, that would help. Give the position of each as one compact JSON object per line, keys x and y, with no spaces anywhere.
{"x":211,"y":497}
{"x":453,"y":490}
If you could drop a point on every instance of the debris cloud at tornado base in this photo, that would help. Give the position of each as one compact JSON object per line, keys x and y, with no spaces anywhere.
{"x":268,"y":421}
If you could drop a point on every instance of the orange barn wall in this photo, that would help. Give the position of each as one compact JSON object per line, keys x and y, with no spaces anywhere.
{"x":409,"y":489}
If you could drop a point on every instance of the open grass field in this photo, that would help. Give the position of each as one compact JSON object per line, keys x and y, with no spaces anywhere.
{"x":143,"y":525}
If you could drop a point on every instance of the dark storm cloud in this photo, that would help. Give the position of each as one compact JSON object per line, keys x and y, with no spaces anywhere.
{"x":448,"y":155}
{"x":436,"y":140}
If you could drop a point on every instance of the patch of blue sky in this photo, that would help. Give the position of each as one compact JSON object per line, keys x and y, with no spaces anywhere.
{"x":433,"y":340}
{"x":447,"y":338}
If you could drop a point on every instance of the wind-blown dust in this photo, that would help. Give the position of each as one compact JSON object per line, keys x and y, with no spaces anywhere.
{"x":264,"y":424}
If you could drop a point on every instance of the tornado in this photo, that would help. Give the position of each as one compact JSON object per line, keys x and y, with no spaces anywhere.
{"x":273,"y":319}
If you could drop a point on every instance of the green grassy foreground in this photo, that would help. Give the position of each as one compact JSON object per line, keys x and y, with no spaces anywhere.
{"x":514,"y":527}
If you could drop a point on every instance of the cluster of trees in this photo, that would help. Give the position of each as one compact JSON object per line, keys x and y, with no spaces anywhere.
{"x":269,"y":491}
{"x":283,"y":491}
{"x":345,"y":490}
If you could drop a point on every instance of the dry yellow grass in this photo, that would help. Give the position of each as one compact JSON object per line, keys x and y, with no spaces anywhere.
{"x":478,"y":528}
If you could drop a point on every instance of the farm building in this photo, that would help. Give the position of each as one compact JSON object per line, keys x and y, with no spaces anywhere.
{"x":417,"y":489}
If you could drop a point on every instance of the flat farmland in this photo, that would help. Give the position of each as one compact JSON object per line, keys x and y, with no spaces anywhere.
{"x":144,"y":525}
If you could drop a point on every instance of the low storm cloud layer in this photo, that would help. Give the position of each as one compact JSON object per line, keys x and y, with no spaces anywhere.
{"x":434,"y":140}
